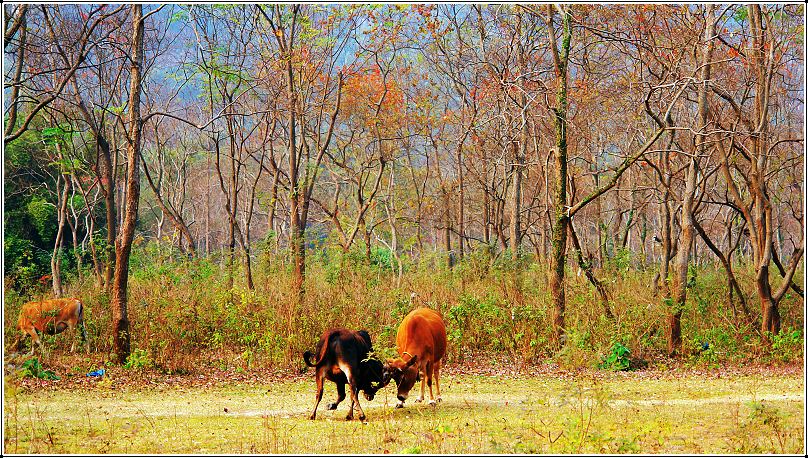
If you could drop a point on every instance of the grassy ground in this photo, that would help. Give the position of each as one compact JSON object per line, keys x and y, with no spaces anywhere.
{"x":592,"y":412}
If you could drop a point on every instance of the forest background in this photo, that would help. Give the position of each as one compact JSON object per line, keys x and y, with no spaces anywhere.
{"x":585,"y":185}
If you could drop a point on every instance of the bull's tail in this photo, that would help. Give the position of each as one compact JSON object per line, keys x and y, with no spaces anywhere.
{"x":323,"y":350}
{"x":307,"y":356}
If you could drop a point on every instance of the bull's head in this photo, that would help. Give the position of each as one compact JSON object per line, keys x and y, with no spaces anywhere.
{"x":371,"y":372}
{"x":405,"y":373}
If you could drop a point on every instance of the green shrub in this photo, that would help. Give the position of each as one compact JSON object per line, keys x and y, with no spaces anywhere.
{"x":43,"y":215}
{"x":787,"y":345}
{"x":622,"y":260}
{"x":138,"y":359}
{"x":617,"y":359}
{"x":22,"y":267}
{"x":32,"y":368}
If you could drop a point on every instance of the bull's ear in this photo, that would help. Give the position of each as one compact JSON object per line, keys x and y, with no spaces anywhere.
{"x":412,"y":361}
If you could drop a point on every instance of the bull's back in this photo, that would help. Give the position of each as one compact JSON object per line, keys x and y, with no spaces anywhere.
{"x":422,"y":332}
{"x":41,"y":313}
{"x":340,"y":343}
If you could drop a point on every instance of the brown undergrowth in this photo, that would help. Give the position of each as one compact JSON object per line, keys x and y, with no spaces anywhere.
{"x":498,"y":311}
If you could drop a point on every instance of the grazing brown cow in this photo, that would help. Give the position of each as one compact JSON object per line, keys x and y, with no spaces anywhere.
{"x":421,"y":342}
{"x":343,"y":357}
{"x":51,"y":317}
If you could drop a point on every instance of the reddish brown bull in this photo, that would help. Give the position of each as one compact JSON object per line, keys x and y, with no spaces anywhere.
{"x":421,"y":342}
{"x":51,"y":316}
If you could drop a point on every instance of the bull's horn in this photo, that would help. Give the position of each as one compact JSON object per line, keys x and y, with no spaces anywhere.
{"x":412,"y":360}
{"x":371,"y":356}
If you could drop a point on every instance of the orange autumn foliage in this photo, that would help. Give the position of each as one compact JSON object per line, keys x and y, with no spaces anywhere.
{"x":362,"y":91}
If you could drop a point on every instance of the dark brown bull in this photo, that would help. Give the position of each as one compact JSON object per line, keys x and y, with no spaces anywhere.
{"x":344,"y":357}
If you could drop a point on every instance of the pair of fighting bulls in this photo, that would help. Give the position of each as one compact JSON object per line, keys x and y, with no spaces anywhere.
{"x":346,"y":357}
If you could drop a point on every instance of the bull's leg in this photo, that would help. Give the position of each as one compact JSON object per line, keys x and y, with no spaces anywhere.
{"x":354,"y":387}
{"x":355,"y":400}
{"x":35,"y":342}
{"x":318,"y":395}
{"x":42,"y":350}
{"x":423,"y":370}
{"x":74,"y":334}
{"x":340,"y":396}
{"x":437,"y":380}
{"x":429,"y":371}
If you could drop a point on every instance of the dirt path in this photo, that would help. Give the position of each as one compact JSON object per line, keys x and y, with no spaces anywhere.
{"x":607,"y":413}
{"x":288,"y":413}
{"x":293,"y":399}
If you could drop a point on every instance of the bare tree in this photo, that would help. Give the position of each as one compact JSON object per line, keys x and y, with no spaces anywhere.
{"x":123,"y":243}
{"x":746,"y":155}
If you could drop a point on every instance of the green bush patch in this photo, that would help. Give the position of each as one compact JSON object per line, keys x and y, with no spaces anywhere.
{"x":33,"y":368}
{"x":618,"y":358}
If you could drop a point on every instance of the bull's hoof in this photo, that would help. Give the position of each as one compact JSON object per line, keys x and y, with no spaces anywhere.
{"x":349,"y":417}
{"x":332,"y":406}
{"x":400,"y":405}
{"x":439,"y":399}
{"x":419,"y":399}
{"x":362,"y":417}
{"x":432,"y":402}
{"x":312,"y":416}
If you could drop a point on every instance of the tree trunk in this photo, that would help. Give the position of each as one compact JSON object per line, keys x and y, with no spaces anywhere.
{"x":297,"y":229}
{"x":515,"y":230}
{"x":230,"y":203}
{"x":297,"y":235}
{"x":366,"y":234}
{"x":679,"y":295}
{"x":73,"y":222}
{"x":20,"y":22}
{"x":667,"y":242}
{"x":273,"y":204}
{"x":207,"y":207}
{"x":389,"y":206}
{"x":599,"y":221}
{"x":56,"y":257}
{"x":461,"y":210}
{"x":123,"y":244}
{"x":643,"y":229}
{"x":486,"y":208}
{"x":559,"y":231}
{"x":447,"y":226}
{"x":248,"y":268}
{"x":109,"y":189}
{"x":770,"y":314}
{"x":687,"y":221}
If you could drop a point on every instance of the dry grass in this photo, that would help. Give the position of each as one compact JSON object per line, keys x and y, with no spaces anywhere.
{"x":181,"y":310}
{"x":615,"y":414}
